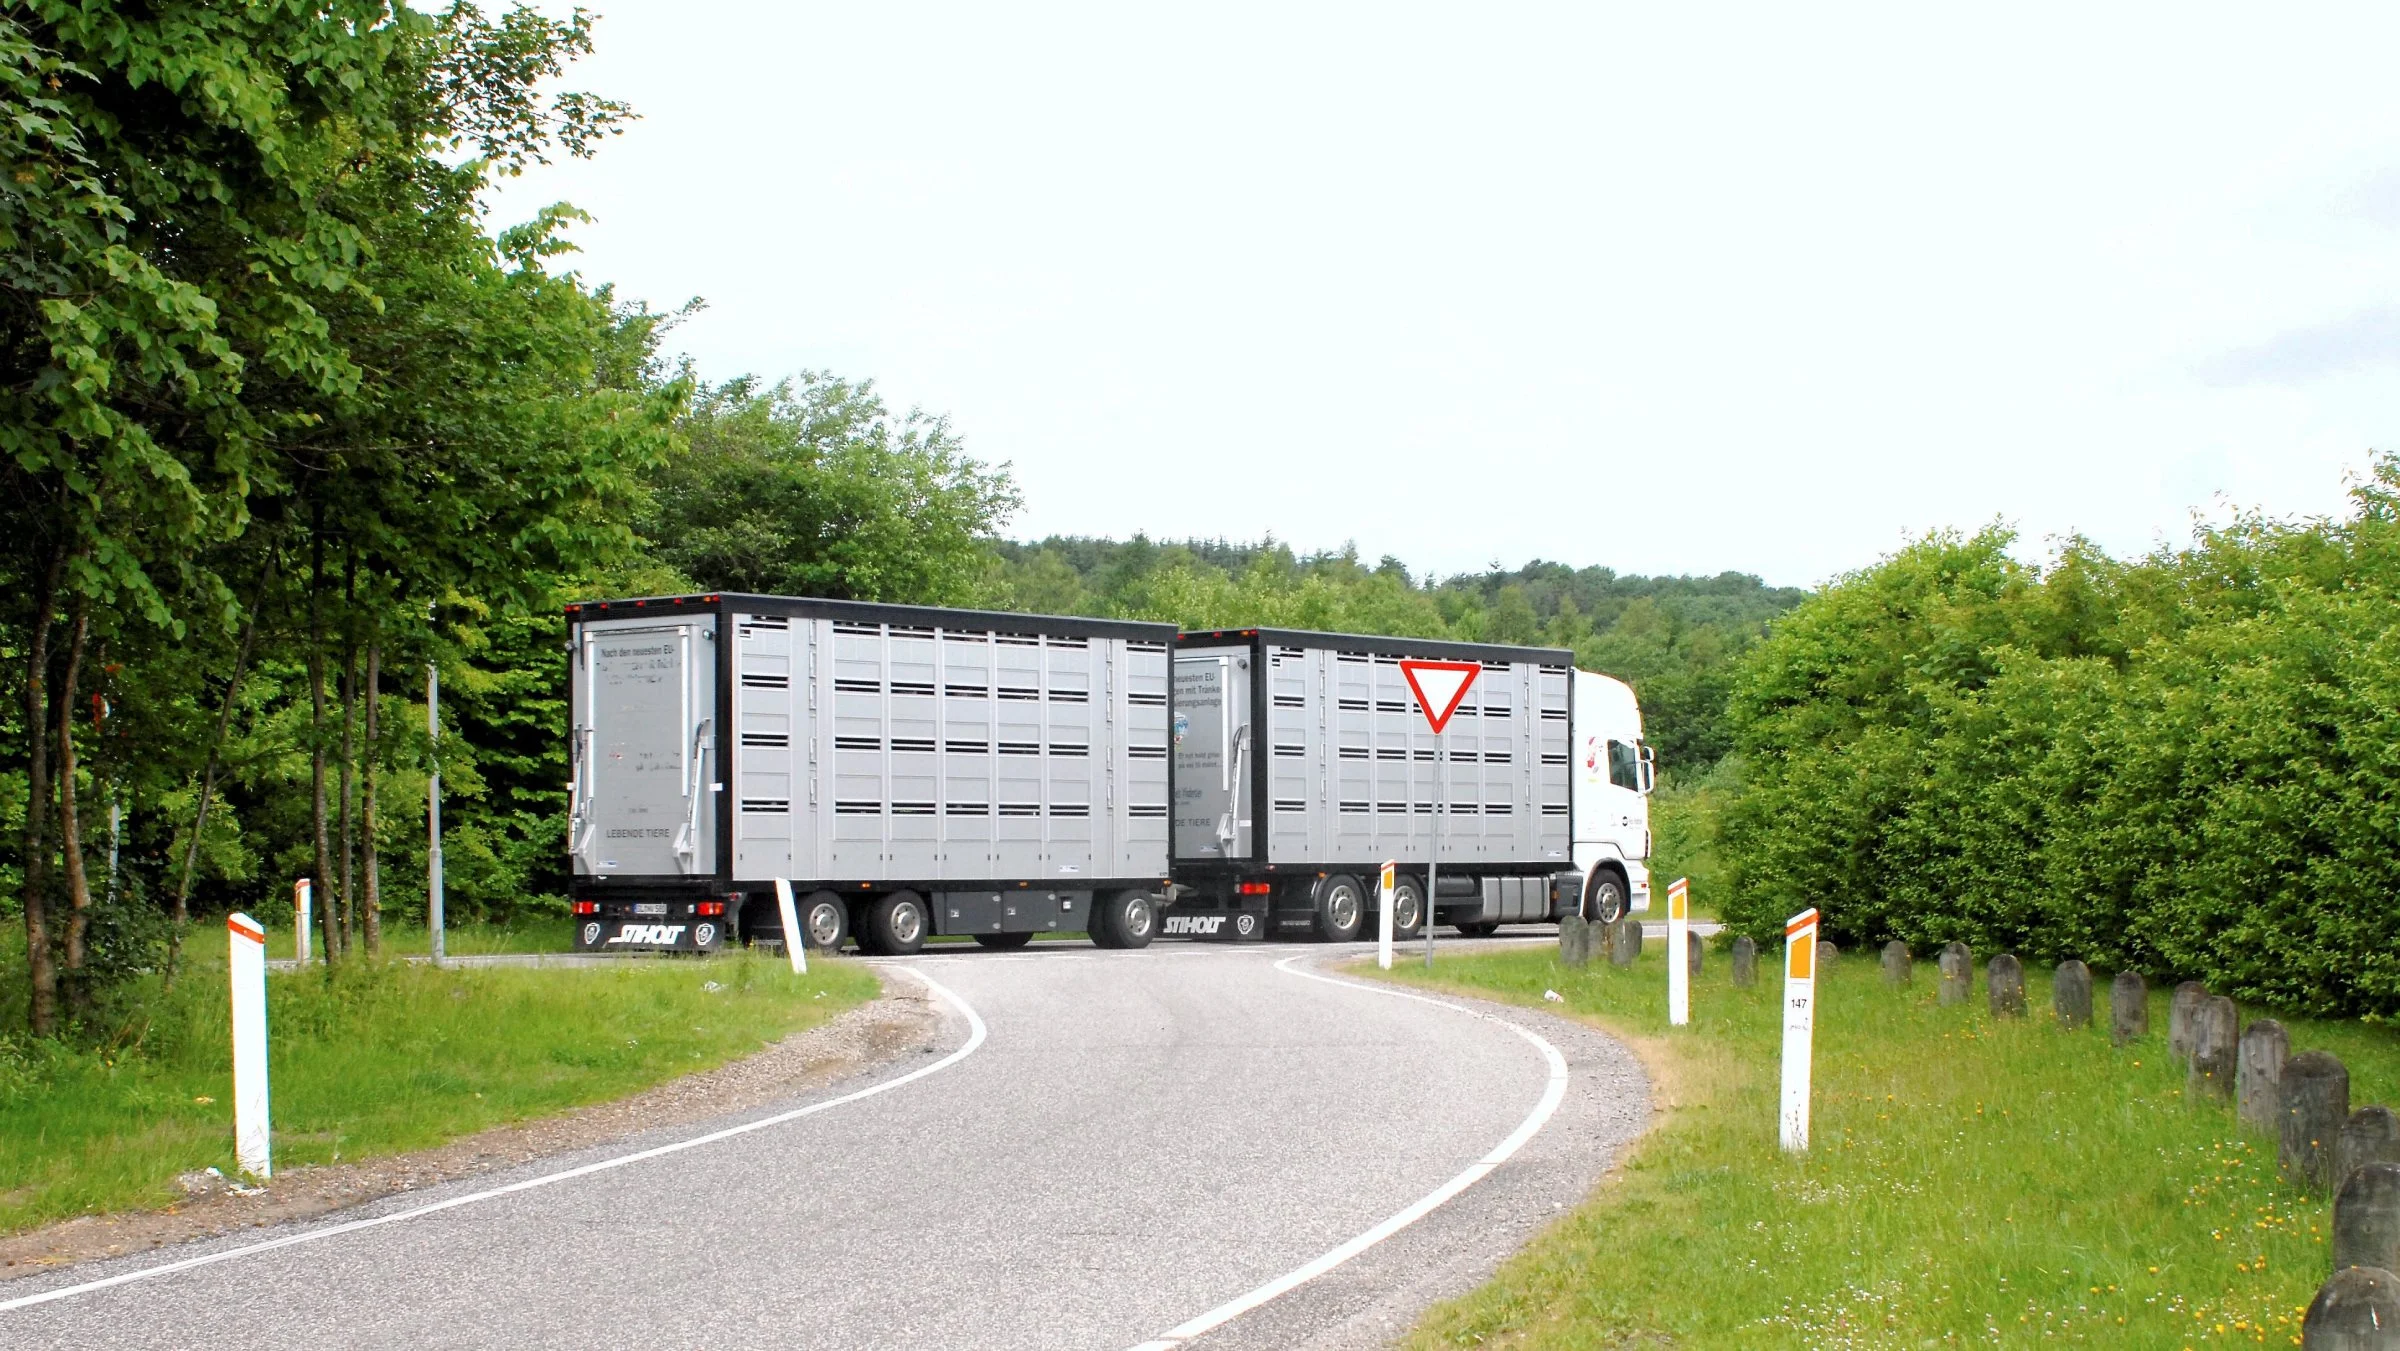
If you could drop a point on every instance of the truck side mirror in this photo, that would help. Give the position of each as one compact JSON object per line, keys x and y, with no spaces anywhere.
{"x":1649,"y":770}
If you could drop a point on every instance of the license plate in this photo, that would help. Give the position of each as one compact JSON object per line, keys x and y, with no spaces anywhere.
{"x":650,"y":908}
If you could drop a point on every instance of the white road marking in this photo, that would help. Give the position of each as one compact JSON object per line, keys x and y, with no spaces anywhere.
{"x":975,"y":1036}
{"x":1554,"y":1093}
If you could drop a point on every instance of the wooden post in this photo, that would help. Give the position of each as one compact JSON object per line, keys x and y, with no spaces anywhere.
{"x":2371,"y":1135}
{"x":2128,"y":1007}
{"x":2006,"y":978}
{"x":2257,"y":1070}
{"x":2188,"y":998}
{"x":1745,"y":962}
{"x":2358,"y":1310}
{"x":1574,"y":940}
{"x":2214,"y":1033}
{"x":2071,"y":994}
{"x":2366,"y":1218}
{"x":1958,"y":973}
{"x":2315,"y":1092}
{"x":1898,"y":966}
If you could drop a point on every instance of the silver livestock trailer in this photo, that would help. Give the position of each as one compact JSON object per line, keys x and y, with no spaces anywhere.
{"x":910,"y":771}
{"x":1302,"y":763}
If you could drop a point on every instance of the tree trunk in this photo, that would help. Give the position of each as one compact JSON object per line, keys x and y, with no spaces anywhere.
{"x":208,"y":788}
{"x":76,"y":982}
{"x":316,"y":725}
{"x":41,"y":1014}
{"x":374,"y":895}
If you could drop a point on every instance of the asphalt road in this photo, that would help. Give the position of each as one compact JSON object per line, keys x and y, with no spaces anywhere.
{"x":1111,"y":1150}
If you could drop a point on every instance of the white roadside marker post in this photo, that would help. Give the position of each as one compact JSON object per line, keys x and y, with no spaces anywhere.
{"x":1799,"y":1024}
{"x":303,"y":893}
{"x":1383,"y":927}
{"x":247,"y":943}
{"x":1679,"y":959}
{"x":795,"y":943}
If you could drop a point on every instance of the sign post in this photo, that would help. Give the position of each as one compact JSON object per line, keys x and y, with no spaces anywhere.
{"x":303,"y":896}
{"x":795,"y":943}
{"x":1383,"y":926}
{"x":1799,"y":1024}
{"x":433,"y":811}
{"x":1439,"y":686}
{"x":1679,"y":960}
{"x":247,"y":944}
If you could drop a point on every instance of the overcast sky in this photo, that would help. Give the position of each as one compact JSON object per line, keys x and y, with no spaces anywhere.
{"x":1668,"y":288}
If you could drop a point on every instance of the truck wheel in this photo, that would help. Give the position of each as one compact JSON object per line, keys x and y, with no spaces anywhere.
{"x":1123,"y":919}
{"x":1482,"y":928}
{"x":1604,"y":898}
{"x":896,"y":923}
{"x":1408,"y":907}
{"x":824,"y":921}
{"x":1341,"y":909}
{"x":1003,"y":940}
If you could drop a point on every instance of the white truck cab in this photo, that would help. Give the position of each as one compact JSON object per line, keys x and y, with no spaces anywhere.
{"x":1613,"y":773}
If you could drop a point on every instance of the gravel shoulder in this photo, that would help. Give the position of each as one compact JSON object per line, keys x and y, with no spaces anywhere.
{"x":900,"y":1022}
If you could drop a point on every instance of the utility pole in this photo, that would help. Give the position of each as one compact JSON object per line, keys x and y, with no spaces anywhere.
{"x":433,"y":809}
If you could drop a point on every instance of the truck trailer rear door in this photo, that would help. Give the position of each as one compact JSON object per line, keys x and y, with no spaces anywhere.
{"x":644,"y":750}
{"x":1211,"y":726}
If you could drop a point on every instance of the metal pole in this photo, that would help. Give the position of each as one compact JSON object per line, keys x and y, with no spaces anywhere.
{"x":1433,"y":869}
{"x":433,"y":810}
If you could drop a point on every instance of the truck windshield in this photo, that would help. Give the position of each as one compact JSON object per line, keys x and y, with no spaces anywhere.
{"x":1624,"y":765}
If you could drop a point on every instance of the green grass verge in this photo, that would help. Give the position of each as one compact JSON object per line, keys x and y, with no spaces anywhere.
{"x":1972,"y":1181}
{"x":382,"y":1059}
{"x":206,"y":941}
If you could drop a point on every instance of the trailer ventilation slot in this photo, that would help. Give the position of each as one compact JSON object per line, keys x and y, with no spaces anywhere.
{"x":1554,"y":757}
{"x":866,"y":630}
{"x":965,"y":636}
{"x":1070,"y":809}
{"x":1020,"y":809}
{"x":1291,"y":701}
{"x":1424,"y":752}
{"x":1554,"y":809}
{"x":1354,"y":752}
{"x":1499,"y":808}
{"x":969,"y":809}
{"x":1355,"y":807}
{"x":1392,"y":808}
{"x":912,"y":630}
{"x":766,"y":622}
{"x":1391,"y":752}
{"x":1291,"y":652}
{"x":1554,"y":715}
{"x":1146,"y":810}
{"x":858,"y":687}
{"x":1463,"y":711}
{"x":1020,"y":748}
{"x":766,"y":804}
{"x":856,"y":807}
{"x":1495,"y":710}
{"x":912,"y":809}
{"x":919,"y":687}
{"x":858,"y":743}
{"x":1139,"y":700}
{"x":1055,"y":641}
{"x":751,"y":680}
{"x":1347,"y":705}
{"x":1070,"y":750}
{"x":766,"y":740}
{"x":1145,"y":647}
{"x":1290,"y":806}
{"x":1023,"y":694}
{"x":968,"y":747}
{"x":1070,"y":696}
{"x":1395,"y":706}
{"x":913,"y":743}
{"x":1289,"y":750}
{"x":968,"y":691}
{"x":1383,"y":660}
{"x":1351,"y":658}
{"x":1145,"y":752}
{"x":1496,"y":757}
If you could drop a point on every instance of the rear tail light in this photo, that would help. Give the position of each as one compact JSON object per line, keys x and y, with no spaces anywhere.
{"x":587,"y":907}
{"x":1255,"y":888}
{"x":709,"y":908}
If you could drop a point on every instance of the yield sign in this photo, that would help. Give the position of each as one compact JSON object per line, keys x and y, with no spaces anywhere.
{"x":1439,"y":686}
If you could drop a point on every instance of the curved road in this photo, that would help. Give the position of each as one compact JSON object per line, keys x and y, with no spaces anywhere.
{"x":1105,"y":1150}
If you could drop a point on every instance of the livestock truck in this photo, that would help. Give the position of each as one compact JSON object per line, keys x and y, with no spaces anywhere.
{"x":1303,"y":763}
{"x":910,"y":771}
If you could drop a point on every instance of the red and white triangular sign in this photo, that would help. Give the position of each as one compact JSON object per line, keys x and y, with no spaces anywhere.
{"x":1440,"y":685}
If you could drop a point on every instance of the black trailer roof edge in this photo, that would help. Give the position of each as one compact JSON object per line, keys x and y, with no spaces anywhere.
{"x":1437,"y":648}
{"x":871,"y":612}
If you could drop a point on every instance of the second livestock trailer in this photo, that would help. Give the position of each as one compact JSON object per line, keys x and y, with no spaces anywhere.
{"x":911,"y":771}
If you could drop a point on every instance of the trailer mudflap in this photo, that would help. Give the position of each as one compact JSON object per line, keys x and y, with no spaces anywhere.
{"x":683,"y":933}
{"x":1216,"y":926}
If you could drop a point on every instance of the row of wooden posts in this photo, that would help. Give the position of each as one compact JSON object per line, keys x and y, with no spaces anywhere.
{"x":2303,"y":1100}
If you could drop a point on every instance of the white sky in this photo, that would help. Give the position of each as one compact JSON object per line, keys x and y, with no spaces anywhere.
{"x":1668,"y":288}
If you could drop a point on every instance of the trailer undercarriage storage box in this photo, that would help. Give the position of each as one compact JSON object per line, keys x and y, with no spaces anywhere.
{"x":1302,"y":759}
{"x":995,"y":771}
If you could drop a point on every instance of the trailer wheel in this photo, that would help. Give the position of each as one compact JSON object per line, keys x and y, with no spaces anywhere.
{"x":1482,"y":928}
{"x":1408,"y":907}
{"x":1123,"y":919}
{"x":896,"y":924}
{"x":1004,"y":940}
{"x":1341,"y":909}
{"x":1604,"y":898}
{"x":824,"y":921}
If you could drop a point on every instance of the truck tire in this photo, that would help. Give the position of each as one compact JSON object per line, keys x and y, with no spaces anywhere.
{"x":1481,"y":928}
{"x":1408,"y":907}
{"x":1003,"y":940}
{"x":1123,"y":919}
{"x":1604,"y":896}
{"x":824,"y":921}
{"x":895,"y":924}
{"x":1341,"y":909}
